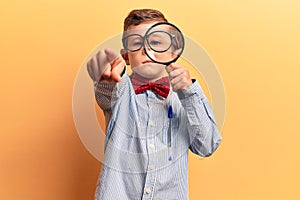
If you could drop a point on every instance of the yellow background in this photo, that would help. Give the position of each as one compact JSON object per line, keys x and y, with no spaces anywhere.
{"x":255,"y":45}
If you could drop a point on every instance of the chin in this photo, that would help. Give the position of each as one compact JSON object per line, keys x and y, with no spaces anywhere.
{"x":150,"y":70}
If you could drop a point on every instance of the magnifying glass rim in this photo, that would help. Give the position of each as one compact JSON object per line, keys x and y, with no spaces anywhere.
{"x":183,"y":42}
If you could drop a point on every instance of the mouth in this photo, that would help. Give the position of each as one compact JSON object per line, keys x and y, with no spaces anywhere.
{"x":147,"y":61}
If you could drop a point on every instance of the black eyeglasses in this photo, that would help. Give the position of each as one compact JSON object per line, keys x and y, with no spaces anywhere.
{"x":158,"y":41}
{"x":163,"y":38}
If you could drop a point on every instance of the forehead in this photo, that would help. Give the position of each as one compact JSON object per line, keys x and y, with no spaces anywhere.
{"x":140,"y":29}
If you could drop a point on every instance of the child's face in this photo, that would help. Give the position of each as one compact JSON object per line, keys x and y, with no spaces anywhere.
{"x":139,"y":61}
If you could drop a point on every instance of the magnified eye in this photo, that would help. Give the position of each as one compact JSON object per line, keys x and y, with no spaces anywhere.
{"x":159,"y":41}
{"x":155,"y":42}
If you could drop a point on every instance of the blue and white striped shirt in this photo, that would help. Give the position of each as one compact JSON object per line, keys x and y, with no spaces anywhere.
{"x":136,"y":164}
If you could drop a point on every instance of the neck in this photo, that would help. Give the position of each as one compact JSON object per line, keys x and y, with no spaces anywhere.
{"x":150,"y":79}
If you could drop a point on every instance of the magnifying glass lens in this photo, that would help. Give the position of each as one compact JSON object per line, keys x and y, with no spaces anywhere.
{"x":164,"y":43}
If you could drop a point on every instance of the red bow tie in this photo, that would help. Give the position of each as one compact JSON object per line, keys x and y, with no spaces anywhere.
{"x":140,"y":84}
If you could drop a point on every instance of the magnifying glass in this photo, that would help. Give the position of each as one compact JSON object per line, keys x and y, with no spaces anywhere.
{"x":163,"y":43}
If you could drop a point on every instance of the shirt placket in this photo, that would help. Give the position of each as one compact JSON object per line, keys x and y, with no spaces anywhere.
{"x":151,"y":172}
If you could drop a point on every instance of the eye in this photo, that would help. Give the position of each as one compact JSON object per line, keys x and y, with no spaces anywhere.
{"x":136,"y":44}
{"x":155,"y":42}
{"x":134,"y":41}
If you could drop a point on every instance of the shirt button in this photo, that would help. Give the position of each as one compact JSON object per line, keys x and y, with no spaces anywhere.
{"x":148,"y":191}
{"x":151,"y":123}
{"x":151,"y":146}
{"x":151,"y":167}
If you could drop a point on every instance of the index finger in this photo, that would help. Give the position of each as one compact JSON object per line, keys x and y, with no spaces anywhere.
{"x":111,"y":54}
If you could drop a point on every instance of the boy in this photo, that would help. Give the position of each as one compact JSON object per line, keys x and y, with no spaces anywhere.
{"x":139,"y":163}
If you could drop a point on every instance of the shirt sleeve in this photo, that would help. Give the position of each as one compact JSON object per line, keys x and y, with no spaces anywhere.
{"x":107,"y":93}
{"x":203,"y":133}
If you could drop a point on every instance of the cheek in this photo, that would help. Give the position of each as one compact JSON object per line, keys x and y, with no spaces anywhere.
{"x":165,"y":56}
{"x":133,"y":59}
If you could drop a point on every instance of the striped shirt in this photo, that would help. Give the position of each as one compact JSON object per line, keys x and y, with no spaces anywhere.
{"x":136,"y":164}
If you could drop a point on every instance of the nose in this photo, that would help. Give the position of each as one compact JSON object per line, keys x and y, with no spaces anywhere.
{"x":148,"y":52}
{"x":144,"y":51}
{"x":145,"y":48}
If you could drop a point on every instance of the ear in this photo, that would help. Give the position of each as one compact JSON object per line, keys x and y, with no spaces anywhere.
{"x":124,"y":54}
